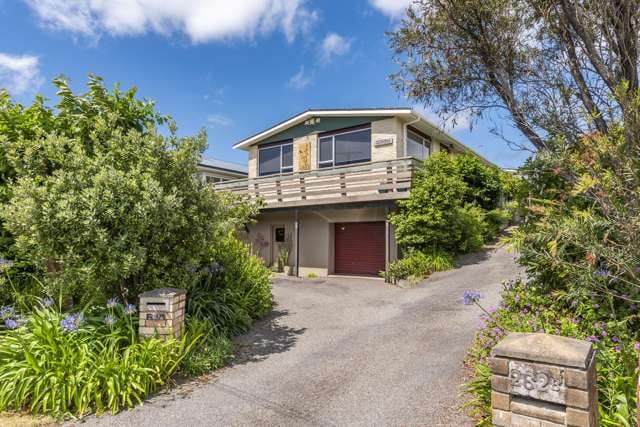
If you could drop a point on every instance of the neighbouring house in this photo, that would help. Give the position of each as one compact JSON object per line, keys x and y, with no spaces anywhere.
{"x":329,"y":179}
{"x":216,"y":170}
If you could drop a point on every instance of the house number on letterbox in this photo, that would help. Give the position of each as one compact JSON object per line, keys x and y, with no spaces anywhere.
{"x":537,"y":381}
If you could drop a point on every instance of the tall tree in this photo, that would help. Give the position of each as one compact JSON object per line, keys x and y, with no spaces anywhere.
{"x":556,"y":67}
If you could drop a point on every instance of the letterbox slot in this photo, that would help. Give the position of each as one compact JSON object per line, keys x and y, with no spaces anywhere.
{"x":156,"y":306}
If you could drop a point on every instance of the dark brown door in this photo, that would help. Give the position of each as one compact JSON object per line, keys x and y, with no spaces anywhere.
{"x":359,"y":248}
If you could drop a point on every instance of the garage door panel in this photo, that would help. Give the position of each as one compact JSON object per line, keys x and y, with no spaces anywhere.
{"x":359,"y":248}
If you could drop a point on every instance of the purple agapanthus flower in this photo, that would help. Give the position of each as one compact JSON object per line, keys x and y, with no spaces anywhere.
{"x":47,"y":302}
{"x":10,"y":324}
{"x":633,"y":307}
{"x":112,"y":302}
{"x":7,"y":312}
{"x":72,"y":322}
{"x":593,"y":339}
{"x":604,"y":333}
{"x":109,"y":319}
{"x":618,"y":348}
{"x":615,"y":339}
{"x":637,"y":346}
{"x":470,"y":297}
{"x":130,"y":309}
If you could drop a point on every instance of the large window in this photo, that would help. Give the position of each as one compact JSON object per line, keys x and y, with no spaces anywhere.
{"x":344,"y":148}
{"x":275,"y":159}
{"x":418,"y":146}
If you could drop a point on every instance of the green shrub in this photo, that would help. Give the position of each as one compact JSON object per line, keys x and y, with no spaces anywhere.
{"x":496,"y":220}
{"x":444,"y":210}
{"x":484,"y":182}
{"x":471,"y":228}
{"x":211,"y":352}
{"x":231,"y":290}
{"x":416,"y":265}
{"x":70,"y":365}
{"x":103,"y":197}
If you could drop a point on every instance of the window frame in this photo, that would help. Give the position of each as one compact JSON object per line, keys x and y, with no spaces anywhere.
{"x":425,"y":141}
{"x":322,"y":164}
{"x":282,"y":169}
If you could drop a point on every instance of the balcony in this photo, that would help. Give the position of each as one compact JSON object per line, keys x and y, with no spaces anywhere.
{"x":364,"y":182}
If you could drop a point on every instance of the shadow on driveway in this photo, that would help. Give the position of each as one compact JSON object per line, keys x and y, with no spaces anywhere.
{"x":267,"y":336}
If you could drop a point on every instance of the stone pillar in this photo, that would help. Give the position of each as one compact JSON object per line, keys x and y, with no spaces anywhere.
{"x":541,"y":380}
{"x":162,"y":313}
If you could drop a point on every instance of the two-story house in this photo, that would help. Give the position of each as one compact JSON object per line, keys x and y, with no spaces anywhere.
{"x":329,"y":179}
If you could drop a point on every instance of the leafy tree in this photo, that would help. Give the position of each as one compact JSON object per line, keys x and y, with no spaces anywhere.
{"x":556,"y":67}
{"x":434,"y":216}
{"x":102,"y":200}
{"x":484,"y":182}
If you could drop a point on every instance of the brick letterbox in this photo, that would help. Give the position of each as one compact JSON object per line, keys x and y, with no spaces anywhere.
{"x":543,"y":380}
{"x":162,"y":312}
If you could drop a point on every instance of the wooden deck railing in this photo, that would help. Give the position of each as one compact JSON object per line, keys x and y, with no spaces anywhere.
{"x":383,"y":180}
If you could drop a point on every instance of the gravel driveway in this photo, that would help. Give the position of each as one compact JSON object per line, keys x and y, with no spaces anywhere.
{"x":344,"y":351}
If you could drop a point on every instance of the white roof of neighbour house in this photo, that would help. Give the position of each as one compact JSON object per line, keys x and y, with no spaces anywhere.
{"x":223,"y":166}
{"x":409,"y":115}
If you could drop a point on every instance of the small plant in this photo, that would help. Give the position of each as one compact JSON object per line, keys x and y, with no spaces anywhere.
{"x":71,"y":364}
{"x":417,"y":265}
{"x":283,"y":258}
{"x":312,"y":276}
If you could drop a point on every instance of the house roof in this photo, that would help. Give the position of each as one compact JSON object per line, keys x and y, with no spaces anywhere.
{"x":223,"y":165}
{"x":333,"y":112}
{"x":409,"y":115}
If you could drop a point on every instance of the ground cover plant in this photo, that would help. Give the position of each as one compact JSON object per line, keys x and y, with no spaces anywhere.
{"x":70,"y":364}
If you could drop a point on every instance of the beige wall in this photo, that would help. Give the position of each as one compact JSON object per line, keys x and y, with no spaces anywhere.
{"x":380,"y":128}
{"x":316,"y":235}
{"x":253,"y":161}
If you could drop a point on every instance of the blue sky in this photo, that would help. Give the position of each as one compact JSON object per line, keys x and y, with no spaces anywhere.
{"x":232,"y":67}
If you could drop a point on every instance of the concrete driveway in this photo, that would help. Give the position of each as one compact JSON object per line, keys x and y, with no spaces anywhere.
{"x":344,"y":352}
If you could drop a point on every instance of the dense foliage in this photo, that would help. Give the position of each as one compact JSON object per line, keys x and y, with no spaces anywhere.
{"x":444,"y":210}
{"x":579,"y":245}
{"x":227,"y":293}
{"x":103,"y":201}
{"x":100,"y":200}
{"x":455,"y":206}
{"x":70,"y":364}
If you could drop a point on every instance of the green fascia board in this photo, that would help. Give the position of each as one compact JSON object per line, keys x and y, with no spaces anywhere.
{"x":326,"y":124}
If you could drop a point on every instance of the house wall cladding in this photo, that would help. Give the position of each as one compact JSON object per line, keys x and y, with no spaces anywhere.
{"x":316,"y":235}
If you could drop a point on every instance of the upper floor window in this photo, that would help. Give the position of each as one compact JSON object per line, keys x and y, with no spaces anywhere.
{"x":418,"y":146}
{"x":344,"y":148}
{"x":275,"y":159}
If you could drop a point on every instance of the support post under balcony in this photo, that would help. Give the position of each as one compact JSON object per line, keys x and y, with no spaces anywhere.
{"x":296,"y":243}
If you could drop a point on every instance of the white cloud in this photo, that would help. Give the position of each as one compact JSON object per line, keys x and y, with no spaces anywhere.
{"x":394,"y":9}
{"x":334,"y":45}
{"x":301,"y":79}
{"x":200,"y":20}
{"x":19,"y":74}
{"x":219,"y":120}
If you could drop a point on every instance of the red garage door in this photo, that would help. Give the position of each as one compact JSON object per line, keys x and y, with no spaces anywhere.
{"x":359,"y":248}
